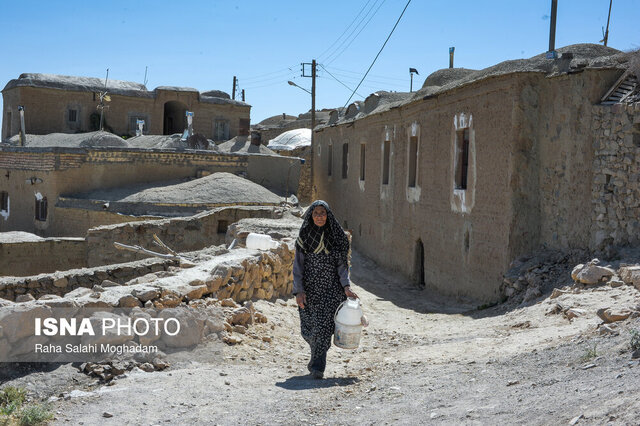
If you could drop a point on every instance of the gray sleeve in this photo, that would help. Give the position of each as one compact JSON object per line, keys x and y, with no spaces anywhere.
{"x":298,"y":267}
{"x":343,"y":272}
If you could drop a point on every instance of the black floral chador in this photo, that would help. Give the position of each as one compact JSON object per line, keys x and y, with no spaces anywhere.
{"x":321,"y":272}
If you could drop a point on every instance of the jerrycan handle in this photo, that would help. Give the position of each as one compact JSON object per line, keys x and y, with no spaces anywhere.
{"x":345,"y":301}
{"x":338,"y":310}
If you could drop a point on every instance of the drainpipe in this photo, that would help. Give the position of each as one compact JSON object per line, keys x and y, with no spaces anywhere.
{"x":552,"y":54}
{"x":23,"y":135}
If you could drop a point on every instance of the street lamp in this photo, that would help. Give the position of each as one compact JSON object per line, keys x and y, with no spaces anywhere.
{"x":291,"y":83}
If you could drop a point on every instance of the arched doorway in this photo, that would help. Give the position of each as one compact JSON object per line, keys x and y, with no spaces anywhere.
{"x":418,"y":274}
{"x":174,"y":117}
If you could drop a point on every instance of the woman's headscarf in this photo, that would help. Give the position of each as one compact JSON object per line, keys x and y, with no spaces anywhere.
{"x":328,"y":239}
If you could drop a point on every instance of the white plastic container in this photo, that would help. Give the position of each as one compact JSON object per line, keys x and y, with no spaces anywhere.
{"x":260,"y":241}
{"x":348,"y":319}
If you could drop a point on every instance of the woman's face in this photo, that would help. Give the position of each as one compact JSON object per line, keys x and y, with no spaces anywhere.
{"x":319,"y":216}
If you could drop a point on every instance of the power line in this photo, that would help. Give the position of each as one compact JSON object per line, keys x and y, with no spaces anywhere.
{"x":374,"y":59}
{"x":356,"y":36}
{"x":345,"y":30}
{"x":283,"y":70}
{"x":352,"y":31}
{"x":277,"y":77}
{"x":359,"y":73}
{"x":336,"y":79}
{"x":355,"y":79}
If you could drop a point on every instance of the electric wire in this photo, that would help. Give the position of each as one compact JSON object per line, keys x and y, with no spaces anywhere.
{"x":336,"y":79}
{"x":356,"y":36}
{"x":354,"y":80}
{"x":345,"y":30}
{"x":346,"y":40}
{"x":382,"y":48}
{"x":359,"y":73}
{"x":262,"y":75}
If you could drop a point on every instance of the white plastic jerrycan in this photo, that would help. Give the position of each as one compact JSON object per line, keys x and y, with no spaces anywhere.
{"x":348,"y":319}
{"x":260,"y":241}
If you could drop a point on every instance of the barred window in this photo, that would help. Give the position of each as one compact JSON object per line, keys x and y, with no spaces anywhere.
{"x":41,"y":209}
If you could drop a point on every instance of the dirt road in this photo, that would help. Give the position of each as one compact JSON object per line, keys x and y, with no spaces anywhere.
{"x":423,"y":360}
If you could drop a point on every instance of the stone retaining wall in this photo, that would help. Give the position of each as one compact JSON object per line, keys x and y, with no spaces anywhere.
{"x":35,"y":257}
{"x":181,"y":234}
{"x":61,"y":283}
{"x":616,"y":182}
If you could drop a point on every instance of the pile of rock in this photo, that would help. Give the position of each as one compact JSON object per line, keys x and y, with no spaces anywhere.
{"x":592,"y":273}
{"x":238,"y":319}
{"x":108,"y":371}
{"x":531,"y":276}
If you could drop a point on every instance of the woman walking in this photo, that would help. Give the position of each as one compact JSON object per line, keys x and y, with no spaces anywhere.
{"x":320,"y":280}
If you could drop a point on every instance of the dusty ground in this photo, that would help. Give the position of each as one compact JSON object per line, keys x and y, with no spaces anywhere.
{"x":423,"y":360}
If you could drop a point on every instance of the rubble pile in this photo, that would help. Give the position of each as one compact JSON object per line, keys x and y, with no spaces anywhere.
{"x":529,"y":277}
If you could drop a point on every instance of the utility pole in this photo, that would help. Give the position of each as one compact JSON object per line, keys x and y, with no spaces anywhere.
{"x":233,"y":92}
{"x":313,"y":98}
{"x":606,"y":33}
{"x":313,"y":109}
{"x":242,"y":95}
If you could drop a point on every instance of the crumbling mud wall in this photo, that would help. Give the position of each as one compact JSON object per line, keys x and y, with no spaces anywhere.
{"x":181,"y":234}
{"x":615,"y":189}
{"x":34,"y":257}
{"x":60,"y":283}
{"x":305,"y":183}
{"x":241,"y":274}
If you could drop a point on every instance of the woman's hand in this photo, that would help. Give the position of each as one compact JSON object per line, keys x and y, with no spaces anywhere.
{"x":349,"y":293}
{"x":301,"y":300}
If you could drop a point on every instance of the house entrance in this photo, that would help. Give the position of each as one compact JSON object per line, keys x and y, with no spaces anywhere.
{"x":174,"y":117}
{"x":418,"y":276}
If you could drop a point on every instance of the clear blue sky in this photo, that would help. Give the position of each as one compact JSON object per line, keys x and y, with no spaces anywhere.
{"x":203,"y":44}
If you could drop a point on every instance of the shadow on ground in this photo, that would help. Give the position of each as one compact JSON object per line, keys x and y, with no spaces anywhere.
{"x":308,"y":382}
{"x":389,"y":286}
{"x":13,"y":370}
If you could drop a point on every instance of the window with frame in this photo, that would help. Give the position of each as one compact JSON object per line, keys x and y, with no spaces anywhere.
{"x":345,"y":160}
{"x":221,"y":130}
{"x":462,"y":158}
{"x":8,"y":126}
{"x":72,"y":115}
{"x":362,"y":161}
{"x":330,"y":160}
{"x":4,"y":201}
{"x":413,"y":161}
{"x":41,"y":208}
{"x":386,"y":159}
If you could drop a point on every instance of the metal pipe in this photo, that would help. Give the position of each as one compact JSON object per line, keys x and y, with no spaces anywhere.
{"x":552,"y":29}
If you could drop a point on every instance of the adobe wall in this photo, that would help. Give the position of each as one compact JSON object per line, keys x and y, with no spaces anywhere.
{"x":560,"y":115}
{"x":50,"y":255}
{"x":54,"y":172}
{"x":465,"y":233}
{"x":615,"y":188}
{"x":181,"y":234}
{"x":305,"y":183}
{"x":46,"y":111}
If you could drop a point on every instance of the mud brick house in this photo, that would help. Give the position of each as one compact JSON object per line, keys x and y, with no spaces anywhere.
{"x":450,"y":184}
{"x":66,"y":104}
